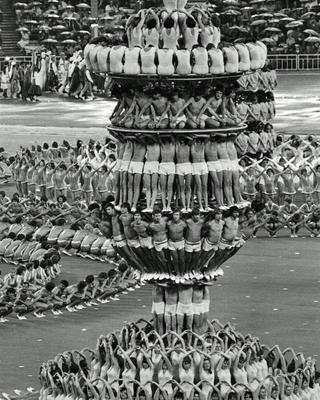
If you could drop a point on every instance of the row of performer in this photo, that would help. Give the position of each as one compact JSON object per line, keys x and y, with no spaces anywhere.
{"x":198,"y":60}
{"x":156,"y":108}
{"x":176,"y":164}
{"x":177,"y":248}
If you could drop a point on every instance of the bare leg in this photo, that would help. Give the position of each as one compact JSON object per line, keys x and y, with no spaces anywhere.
{"x":147,"y":185}
{"x":236,"y":187}
{"x":154,"y":189}
{"x":136,"y":189}
{"x":130,"y":188}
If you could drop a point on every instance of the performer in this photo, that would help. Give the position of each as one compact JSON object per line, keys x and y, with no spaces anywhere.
{"x":134,"y":29}
{"x":184,"y":172}
{"x":170,"y":310}
{"x":131,"y":64}
{"x":151,"y":171}
{"x":116,"y":59}
{"x":215,"y":60}
{"x":148,"y":60}
{"x":200,"y":60}
{"x":234,"y":168}
{"x":135,"y":170}
{"x":184,"y":309}
{"x":214,"y":169}
{"x":193,"y":109}
{"x":177,"y":116}
{"x":176,"y":231}
{"x":193,"y":239}
{"x":158,"y":309}
{"x":152,"y":27}
{"x":212,"y":232}
{"x":124,"y":168}
{"x":119,"y":240}
{"x":212,"y":114}
{"x":166,"y":62}
{"x":183,"y":57}
{"x":167,"y":172}
{"x":159,"y":110}
{"x":190,"y":30}
{"x":143,"y":114}
{"x":170,"y":32}
{"x":226,"y":172}
{"x":158,"y":227}
{"x":200,"y":172}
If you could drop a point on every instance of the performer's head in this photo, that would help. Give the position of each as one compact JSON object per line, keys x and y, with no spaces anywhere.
{"x":176,"y":214}
{"x":157,"y":214}
{"x":195,"y":214}
{"x":125,"y":208}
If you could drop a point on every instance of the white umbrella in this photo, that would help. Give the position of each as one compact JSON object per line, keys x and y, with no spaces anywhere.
{"x":312,"y":39}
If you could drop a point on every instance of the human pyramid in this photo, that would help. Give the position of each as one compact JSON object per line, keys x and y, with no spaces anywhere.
{"x":139,"y":363}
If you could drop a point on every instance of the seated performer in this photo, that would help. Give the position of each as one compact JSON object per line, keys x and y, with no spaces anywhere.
{"x":159,"y":111}
{"x":143,"y":111}
{"x":177,"y":116}
{"x":231,"y":116}
{"x":116,"y":56}
{"x":215,"y":60}
{"x":212,"y":114}
{"x":194,"y":106}
{"x":148,"y":56}
{"x":200,"y":60}
{"x":231,"y":59}
{"x":190,"y":30}
{"x":244,"y":56}
{"x":132,"y":61}
{"x":207,"y":34}
{"x":134,"y":29}
{"x":166,"y":61}
{"x":170,"y":32}
{"x":151,"y":30}
{"x":183,"y":60}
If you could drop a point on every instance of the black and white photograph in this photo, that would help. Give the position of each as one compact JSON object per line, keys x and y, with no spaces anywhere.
{"x":159,"y":199}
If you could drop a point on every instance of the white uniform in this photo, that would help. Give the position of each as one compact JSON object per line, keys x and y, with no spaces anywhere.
{"x":200,"y":66}
{"x":255,"y":55}
{"x":217,"y":61}
{"x":102,"y":59}
{"x":244,"y":56}
{"x":116,"y":59}
{"x":148,"y":65}
{"x":165,"y":66}
{"x":183,"y":65}
{"x":232,"y":59}
{"x":131,"y":61}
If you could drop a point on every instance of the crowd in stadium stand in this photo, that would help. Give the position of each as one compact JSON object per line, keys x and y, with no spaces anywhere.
{"x":65,"y":26}
{"x":139,"y":363}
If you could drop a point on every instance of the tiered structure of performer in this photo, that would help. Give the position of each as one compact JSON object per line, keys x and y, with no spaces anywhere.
{"x":176,"y":121}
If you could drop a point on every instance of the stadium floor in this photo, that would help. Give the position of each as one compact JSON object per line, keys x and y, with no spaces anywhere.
{"x":270,"y":288}
{"x":55,"y":117}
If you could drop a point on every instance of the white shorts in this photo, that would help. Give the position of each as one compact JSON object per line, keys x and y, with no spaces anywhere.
{"x":184,"y":169}
{"x":214,"y":166}
{"x":158,"y":308}
{"x":176,"y":245}
{"x":119,"y":241}
{"x":117,"y":167}
{"x":184,"y":309}
{"x":234,"y":165}
{"x":225,"y":164}
{"x":133,"y":243}
{"x":208,"y":246}
{"x":199,"y":168}
{"x":205,"y":306}
{"x":197,"y":308}
{"x":135,"y":167}
{"x":170,"y":309}
{"x":124,"y":166}
{"x":181,"y":118}
{"x":151,"y":167}
{"x":167,"y":168}
{"x":192,"y":247}
{"x":146,"y":242}
{"x":160,"y":245}
{"x":157,"y":118}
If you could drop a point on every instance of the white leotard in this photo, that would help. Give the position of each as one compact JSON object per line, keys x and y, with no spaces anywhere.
{"x":232,"y":59}
{"x":244,"y":56}
{"x":216,"y":36}
{"x":151,"y":36}
{"x":116,"y":57}
{"x":190,"y":36}
{"x":131,"y":61}
{"x":102,"y":59}
{"x":147,"y":56}
{"x":217,"y":61}
{"x":170,"y":38}
{"x":200,"y":56}
{"x":254,"y":51}
{"x":86,"y":53}
{"x":183,"y":65}
{"x":165,"y":57}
